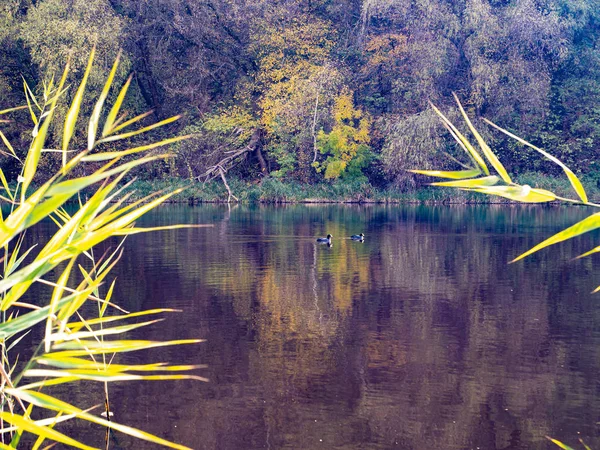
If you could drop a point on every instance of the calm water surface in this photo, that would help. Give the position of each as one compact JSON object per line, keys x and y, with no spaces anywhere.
{"x":422,"y":337}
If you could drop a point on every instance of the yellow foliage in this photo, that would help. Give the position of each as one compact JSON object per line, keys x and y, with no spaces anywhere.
{"x":232,"y":120}
{"x":385,"y":54}
{"x":344,"y":108}
{"x":290,"y":104}
{"x":385,"y":47}
{"x":349,"y":136}
{"x":283,"y":46}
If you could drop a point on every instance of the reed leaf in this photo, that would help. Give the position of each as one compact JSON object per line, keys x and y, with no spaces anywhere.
{"x":588,"y":224}
{"x":63,"y":336}
{"x":95,"y":118}
{"x":523,"y":194}
{"x":591,"y":252}
{"x":28,"y":320}
{"x":46,"y":432}
{"x":16,"y":108}
{"x":457,"y":174}
{"x":120,"y":126}
{"x":575,"y":182}
{"x":129,"y":231}
{"x":84,"y":348}
{"x":69,"y":349}
{"x":48,"y":402}
{"x":487,"y":151}
{"x":29,"y":97}
{"x":33,"y":156}
{"x":8,"y":145}
{"x":114,"y":111}
{"x":76,"y":326}
{"x":13,"y":266}
{"x":55,"y":420}
{"x":75,"y":185}
{"x":140,"y":131}
{"x":18,"y":220}
{"x":559,"y":444}
{"x":474,"y":154}
{"x":56,"y":296}
{"x":484,"y":181}
{"x":5,"y":185}
{"x":73,"y":113}
{"x":108,"y":296}
{"x":104,"y":156}
{"x":105,"y":376}
{"x":80,"y":363}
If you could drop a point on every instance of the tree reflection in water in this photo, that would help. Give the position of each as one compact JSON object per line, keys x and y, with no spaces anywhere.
{"x":420,"y":337}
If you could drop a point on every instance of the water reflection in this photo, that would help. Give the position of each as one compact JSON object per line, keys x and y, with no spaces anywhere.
{"x":422,"y":336}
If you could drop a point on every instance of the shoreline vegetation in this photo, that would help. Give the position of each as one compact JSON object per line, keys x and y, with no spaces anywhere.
{"x":271,"y":190}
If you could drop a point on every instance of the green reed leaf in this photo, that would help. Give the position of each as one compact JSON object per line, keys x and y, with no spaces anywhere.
{"x":73,"y":113}
{"x":38,"y":430}
{"x":119,"y":126}
{"x":48,"y":402}
{"x":456,"y":174}
{"x":128,"y":231}
{"x":588,"y":224}
{"x":524,"y":194}
{"x":77,"y":184}
{"x":487,"y":151}
{"x":113,"y":155}
{"x":30,"y":319}
{"x":87,"y":364}
{"x":141,"y":130}
{"x":114,"y":111}
{"x":95,"y":118}
{"x":5,"y":185}
{"x":33,"y":155}
{"x":558,"y":443}
{"x":16,"y":108}
{"x":462,"y":140}
{"x":575,"y":182}
{"x":484,"y":181}
{"x":84,"y":348}
{"x":76,"y":326}
{"x":105,"y":376}
{"x":61,"y":283}
{"x":63,"y":337}
{"x":591,"y":252}
{"x":8,"y":145}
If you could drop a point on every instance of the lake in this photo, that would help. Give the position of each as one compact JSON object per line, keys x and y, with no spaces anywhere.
{"x":422,"y":336}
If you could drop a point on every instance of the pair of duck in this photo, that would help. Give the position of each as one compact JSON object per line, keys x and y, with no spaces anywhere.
{"x":354,"y":237}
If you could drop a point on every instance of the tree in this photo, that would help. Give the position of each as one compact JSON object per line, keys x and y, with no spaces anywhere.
{"x":296,"y":79}
{"x":186,"y":54}
{"x":499,"y":56}
{"x":55,"y":31}
{"x":346,"y":145}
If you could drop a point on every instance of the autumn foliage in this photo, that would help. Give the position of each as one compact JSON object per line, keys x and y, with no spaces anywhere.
{"x":276,"y":74}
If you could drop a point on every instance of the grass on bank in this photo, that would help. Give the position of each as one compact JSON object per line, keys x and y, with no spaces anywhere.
{"x":271,"y":190}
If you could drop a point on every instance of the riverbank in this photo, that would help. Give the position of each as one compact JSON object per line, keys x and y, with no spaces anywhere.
{"x":271,"y":190}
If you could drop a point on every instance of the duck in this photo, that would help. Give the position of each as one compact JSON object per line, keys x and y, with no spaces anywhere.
{"x":325,"y":240}
{"x":358,"y":237}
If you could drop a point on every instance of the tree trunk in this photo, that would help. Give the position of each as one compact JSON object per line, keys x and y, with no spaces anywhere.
{"x":255,"y":145}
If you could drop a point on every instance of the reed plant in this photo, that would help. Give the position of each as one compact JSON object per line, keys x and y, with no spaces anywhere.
{"x":77,"y":345}
{"x":476,"y":176}
{"x":485,"y":174}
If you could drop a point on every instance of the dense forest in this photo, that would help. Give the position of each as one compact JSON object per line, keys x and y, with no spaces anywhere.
{"x":320,"y":90}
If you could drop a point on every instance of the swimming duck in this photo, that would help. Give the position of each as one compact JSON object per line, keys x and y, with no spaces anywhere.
{"x":326,"y":240}
{"x":358,"y":237}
